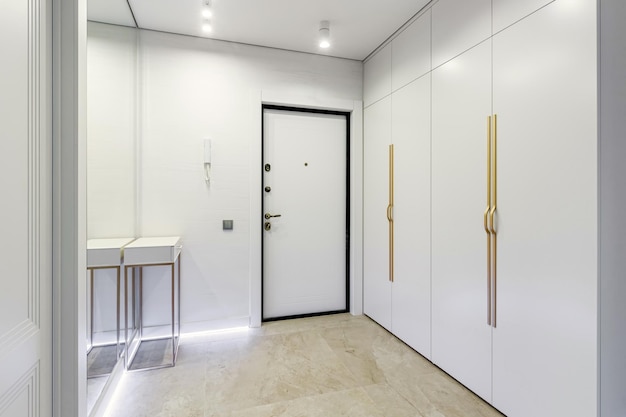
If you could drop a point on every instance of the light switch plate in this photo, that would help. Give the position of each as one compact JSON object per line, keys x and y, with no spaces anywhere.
{"x":227,"y":225}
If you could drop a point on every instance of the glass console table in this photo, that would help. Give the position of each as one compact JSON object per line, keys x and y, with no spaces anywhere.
{"x":156,"y":351}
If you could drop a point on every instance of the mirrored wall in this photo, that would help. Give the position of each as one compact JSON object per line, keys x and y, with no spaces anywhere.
{"x":112,"y":131}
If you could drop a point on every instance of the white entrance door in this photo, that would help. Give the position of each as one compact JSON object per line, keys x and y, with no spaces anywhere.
{"x":304,"y":180}
{"x":25,"y":213}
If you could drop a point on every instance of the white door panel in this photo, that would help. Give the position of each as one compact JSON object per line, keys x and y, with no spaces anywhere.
{"x":544,"y":346}
{"x":377,"y":76}
{"x":410,"y":307}
{"x":507,"y":12}
{"x":25,"y":248}
{"x":457,"y":26}
{"x":304,"y":263}
{"x":411,"y":52}
{"x":376,"y":284}
{"x":461,"y":102}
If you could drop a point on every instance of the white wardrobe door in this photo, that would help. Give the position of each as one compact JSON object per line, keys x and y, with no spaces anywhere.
{"x":411,"y":287}
{"x":457,"y":26}
{"x":411,"y":52}
{"x":376,"y":284}
{"x":377,"y":76}
{"x":544,"y":346}
{"x":461,"y":103}
{"x":507,"y":12}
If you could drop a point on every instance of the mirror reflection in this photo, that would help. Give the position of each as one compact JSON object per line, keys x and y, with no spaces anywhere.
{"x":111,"y":195}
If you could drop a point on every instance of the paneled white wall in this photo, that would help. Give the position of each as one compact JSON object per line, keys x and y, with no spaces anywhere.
{"x":191,"y":89}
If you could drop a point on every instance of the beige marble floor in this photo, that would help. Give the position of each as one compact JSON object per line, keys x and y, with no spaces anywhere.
{"x":326,"y":366}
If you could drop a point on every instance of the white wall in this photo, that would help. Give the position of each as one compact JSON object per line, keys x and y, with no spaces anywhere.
{"x":191,"y":89}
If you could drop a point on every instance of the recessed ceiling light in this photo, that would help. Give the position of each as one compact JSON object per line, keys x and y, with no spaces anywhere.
{"x":207,"y":13}
{"x":324,"y":34}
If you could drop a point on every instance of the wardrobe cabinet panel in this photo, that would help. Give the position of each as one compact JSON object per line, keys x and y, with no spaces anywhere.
{"x":507,"y":12}
{"x":410,"y":307}
{"x":377,"y":76}
{"x":457,"y":26}
{"x":545,"y":345}
{"x":461,"y":102}
{"x":411,"y":52}
{"x":376,"y":284}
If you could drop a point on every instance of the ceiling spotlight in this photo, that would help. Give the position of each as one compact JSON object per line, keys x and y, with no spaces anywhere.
{"x":324,"y":34}
{"x":206,"y":26}
{"x":206,"y":9}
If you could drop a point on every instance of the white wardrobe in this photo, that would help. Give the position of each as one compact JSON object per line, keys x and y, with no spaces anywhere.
{"x":490,"y":245}
{"x":397,"y":294}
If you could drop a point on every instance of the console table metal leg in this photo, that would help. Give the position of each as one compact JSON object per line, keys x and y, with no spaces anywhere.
{"x":140,"y":304}
{"x":173,"y":323}
{"x":134,"y":298}
{"x":91,"y":280}
{"x":117,"y":313}
{"x":126,"y":316}
{"x":179,"y":321}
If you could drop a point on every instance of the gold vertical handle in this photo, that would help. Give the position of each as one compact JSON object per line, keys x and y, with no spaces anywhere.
{"x":390,"y":213}
{"x":494,"y":172}
{"x":486,"y":221}
{"x":494,"y":202}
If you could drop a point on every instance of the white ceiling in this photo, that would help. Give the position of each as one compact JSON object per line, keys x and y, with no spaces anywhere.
{"x":357,"y":27}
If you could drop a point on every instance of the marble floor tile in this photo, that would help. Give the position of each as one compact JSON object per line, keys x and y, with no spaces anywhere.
{"x":389,"y":402}
{"x":373,"y":355}
{"x":275,"y":368}
{"x":349,"y":403}
{"x":438,"y":394}
{"x":327,"y":366}
{"x":168,"y":392}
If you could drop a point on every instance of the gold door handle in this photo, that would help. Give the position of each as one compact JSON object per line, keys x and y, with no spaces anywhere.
{"x":494,"y":263}
{"x":269,"y":216}
{"x":492,"y":228}
{"x":489,"y":248}
{"x":494,"y":173}
{"x":391,"y":247}
{"x":489,"y":216}
{"x":390,"y":213}
{"x":486,"y":220}
{"x":492,"y":213}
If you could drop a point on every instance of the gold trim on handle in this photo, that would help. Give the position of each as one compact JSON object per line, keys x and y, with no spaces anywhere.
{"x":390,"y":213}
{"x":486,"y":217}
